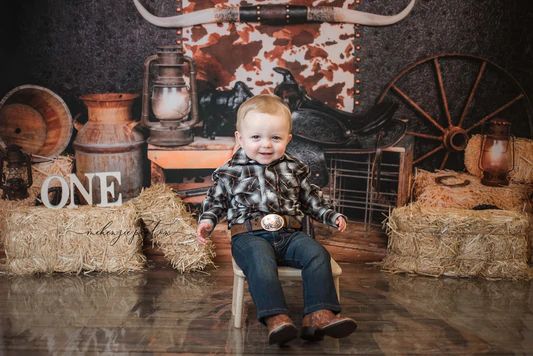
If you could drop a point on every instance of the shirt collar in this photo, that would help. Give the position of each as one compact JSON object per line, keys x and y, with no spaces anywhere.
{"x":240,"y":158}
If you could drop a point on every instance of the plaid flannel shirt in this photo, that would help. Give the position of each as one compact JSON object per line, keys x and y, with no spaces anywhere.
{"x":244,"y":189}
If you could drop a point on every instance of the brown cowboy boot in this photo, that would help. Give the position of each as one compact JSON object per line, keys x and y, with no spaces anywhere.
{"x":324,"y":322}
{"x":281,"y":329}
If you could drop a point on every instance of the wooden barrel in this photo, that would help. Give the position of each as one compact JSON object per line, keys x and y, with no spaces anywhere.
{"x":108,"y":142}
{"x":36,"y":119}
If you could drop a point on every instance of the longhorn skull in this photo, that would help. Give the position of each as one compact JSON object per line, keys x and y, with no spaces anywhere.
{"x":274,"y":15}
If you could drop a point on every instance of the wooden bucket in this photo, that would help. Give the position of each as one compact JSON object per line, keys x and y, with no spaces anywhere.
{"x":36,"y":119}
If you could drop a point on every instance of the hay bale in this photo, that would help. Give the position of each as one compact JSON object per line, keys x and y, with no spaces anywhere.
{"x":38,"y":239}
{"x":523,"y":170}
{"x":457,"y":242}
{"x":59,"y":166}
{"x":8,"y":205}
{"x":5,"y":207}
{"x":173,"y":229}
{"x":428,"y":193}
{"x":515,"y":197}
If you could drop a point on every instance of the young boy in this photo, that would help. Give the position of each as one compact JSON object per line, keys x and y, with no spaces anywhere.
{"x":264,"y":193}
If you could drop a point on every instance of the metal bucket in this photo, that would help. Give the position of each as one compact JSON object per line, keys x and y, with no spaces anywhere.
{"x":108,"y":142}
{"x":36,"y":119}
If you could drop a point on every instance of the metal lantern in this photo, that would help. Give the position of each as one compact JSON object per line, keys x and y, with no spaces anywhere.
{"x":16,"y":173}
{"x":496,"y":157}
{"x":169,"y":97}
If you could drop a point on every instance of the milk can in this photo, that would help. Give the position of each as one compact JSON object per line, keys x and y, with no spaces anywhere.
{"x":109,"y":142}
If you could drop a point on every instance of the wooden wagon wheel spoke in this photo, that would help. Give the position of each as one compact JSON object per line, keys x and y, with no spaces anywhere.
{"x":472,"y":93}
{"x":444,"y":160}
{"x":495,"y":112}
{"x":415,"y":106}
{"x":442,"y":91}
{"x":423,"y":135}
{"x":428,"y":154}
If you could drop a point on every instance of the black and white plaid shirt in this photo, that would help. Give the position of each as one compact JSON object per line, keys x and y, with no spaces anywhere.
{"x":244,"y":189}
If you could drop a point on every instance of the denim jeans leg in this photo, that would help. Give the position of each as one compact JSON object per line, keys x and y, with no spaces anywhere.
{"x":255,"y":256}
{"x":319,"y":290}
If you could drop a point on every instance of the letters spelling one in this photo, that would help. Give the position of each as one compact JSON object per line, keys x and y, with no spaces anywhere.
{"x":67,"y":190}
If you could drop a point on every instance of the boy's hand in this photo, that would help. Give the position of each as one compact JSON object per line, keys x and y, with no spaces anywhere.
{"x":341,"y":223}
{"x":204,"y":230}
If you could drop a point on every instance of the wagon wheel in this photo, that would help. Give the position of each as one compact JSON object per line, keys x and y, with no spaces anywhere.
{"x":448,"y":98}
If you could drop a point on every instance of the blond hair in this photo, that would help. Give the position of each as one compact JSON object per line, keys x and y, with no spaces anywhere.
{"x":265,"y":104}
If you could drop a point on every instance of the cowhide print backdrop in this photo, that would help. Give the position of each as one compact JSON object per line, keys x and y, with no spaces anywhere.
{"x":321,"y":56}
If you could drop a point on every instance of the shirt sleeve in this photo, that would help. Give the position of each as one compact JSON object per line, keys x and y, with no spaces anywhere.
{"x":313,"y":203}
{"x":215,"y":205}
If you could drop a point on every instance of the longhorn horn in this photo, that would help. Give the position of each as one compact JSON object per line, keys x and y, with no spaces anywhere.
{"x":274,"y":15}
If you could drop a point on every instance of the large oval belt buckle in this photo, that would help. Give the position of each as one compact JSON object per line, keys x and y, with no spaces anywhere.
{"x":272,"y":222}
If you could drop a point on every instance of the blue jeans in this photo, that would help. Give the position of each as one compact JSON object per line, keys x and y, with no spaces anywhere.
{"x":259,"y":253}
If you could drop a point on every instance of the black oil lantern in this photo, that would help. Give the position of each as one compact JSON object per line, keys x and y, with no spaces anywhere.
{"x":16,"y":173}
{"x":170,"y":98}
{"x":496,"y":157}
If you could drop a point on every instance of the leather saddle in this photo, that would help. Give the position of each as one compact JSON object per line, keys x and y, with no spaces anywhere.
{"x":317,"y":122}
{"x":316,"y":126}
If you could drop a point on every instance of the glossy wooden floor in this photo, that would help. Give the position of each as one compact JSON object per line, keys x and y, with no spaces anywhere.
{"x":160,"y":311}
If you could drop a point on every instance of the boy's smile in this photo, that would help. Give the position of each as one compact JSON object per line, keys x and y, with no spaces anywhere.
{"x":264,"y":137}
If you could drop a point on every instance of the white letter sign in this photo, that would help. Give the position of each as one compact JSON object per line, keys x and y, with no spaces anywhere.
{"x":104,"y":189}
{"x":86,"y":193}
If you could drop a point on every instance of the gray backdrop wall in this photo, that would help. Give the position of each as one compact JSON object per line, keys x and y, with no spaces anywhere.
{"x":77,"y":47}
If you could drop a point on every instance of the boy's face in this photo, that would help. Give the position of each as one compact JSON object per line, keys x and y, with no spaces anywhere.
{"x":263,"y":137}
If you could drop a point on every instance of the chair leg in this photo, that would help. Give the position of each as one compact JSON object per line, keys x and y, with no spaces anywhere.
{"x":238,"y":300}
{"x":234,"y":297}
{"x":337,"y":288}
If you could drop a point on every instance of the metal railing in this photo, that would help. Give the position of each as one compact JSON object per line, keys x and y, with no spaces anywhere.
{"x":365,"y":187}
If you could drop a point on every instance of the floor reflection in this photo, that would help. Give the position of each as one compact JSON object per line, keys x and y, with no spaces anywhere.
{"x":112,"y":313}
{"x":471,"y":314}
{"x":161,"y":311}
{"x":52,"y":312}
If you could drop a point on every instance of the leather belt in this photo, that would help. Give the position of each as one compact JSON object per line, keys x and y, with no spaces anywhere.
{"x":270,"y":222}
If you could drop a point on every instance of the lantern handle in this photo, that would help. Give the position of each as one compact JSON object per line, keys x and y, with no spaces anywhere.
{"x":484,"y":138}
{"x":145,"y":120}
{"x":512,"y":154}
{"x":194,"y":93}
